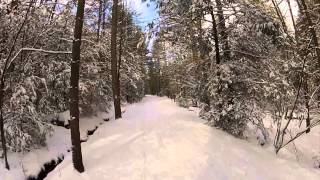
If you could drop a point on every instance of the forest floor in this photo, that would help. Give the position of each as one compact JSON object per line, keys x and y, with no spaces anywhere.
{"x":157,"y":140}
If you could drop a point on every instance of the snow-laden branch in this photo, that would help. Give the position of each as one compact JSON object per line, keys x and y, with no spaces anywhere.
{"x":248,"y":54}
{"x":38,"y":50}
{"x":83,"y":40}
{"x":67,"y":40}
{"x":46,"y":51}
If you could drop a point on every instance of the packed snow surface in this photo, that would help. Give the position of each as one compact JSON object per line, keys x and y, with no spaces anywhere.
{"x":157,"y":140}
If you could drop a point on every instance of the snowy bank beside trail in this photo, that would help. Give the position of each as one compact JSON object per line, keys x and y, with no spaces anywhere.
{"x":30,"y":164}
{"x":157,"y":140}
{"x":305,"y":150}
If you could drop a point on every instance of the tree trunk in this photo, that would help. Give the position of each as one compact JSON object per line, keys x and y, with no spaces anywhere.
{"x":3,"y":139}
{"x":199,"y":16}
{"x":119,"y":58}
{"x":74,"y":91}
{"x":53,"y":10}
{"x":280,"y":16}
{"x":215,"y":36}
{"x":307,"y":99}
{"x":99,"y":19}
{"x":305,"y":11}
{"x":114,"y":63}
{"x":159,"y":77}
{"x":121,"y":40}
{"x":104,"y":16}
{"x":223,"y":31}
{"x":293,"y":21}
{"x":218,"y":58}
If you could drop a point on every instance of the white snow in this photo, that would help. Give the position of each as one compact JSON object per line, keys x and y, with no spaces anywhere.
{"x":305,"y":150}
{"x":31,"y":163}
{"x":157,"y":140}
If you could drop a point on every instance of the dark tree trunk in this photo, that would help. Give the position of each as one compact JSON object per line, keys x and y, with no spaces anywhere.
{"x":119,"y":61}
{"x":293,"y":20}
{"x":280,"y":16}
{"x":199,"y":16}
{"x":218,"y":57}
{"x":74,"y":91}
{"x":99,"y":19}
{"x":215,"y":36}
{"x":3,"y":139}
{"x":305,"y":11}
{"x":307,"y":99}
{"x":53,"y":10}
{"x":121,"y":41}
{"x":114,"y":61}
{"x":104,"y":15}
{"x":159,"y":77}
{"x":223,"y":31}
{"x":194,"y":39}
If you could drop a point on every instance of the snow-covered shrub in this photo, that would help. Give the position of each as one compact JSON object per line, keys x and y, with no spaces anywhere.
{"x":132,"y":79}
{"x":237,"y":86}
{"x":25,"y":127}
{"x":228,"y":109}
{"x":95,"y":84}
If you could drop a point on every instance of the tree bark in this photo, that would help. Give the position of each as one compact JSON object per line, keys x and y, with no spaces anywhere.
{"x":215,"y":36}
{"x":3,"y":139}
{"x":199,"y":16}
{"x":307,"y":99}
{"x":74,"y":91}
{"x":305,"y":11}
{"x":53,"y":10}
{"x":293,"y":20}
{"x":159,"y":77}
{"x":218,"y":57}
{"x":104,"y":16}
{"x":114,"y":61}
{"x":223,"y":31}
{"x":99,"y":19}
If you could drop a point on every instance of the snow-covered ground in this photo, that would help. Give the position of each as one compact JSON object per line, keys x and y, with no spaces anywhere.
{"x":305,"y":150}
{"x":58,"y":145}
{"x":157,"y":140}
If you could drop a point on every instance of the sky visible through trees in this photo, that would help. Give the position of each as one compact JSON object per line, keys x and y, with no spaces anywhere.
{"x":147,"y":12}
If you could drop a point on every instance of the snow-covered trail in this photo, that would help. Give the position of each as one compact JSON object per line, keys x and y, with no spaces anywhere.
{"x":157,"y":140}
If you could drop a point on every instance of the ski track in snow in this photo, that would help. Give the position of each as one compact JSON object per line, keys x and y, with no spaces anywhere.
{"x":157,"y":140}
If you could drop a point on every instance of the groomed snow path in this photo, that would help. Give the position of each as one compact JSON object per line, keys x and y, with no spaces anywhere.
{"x":157,"y":140}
